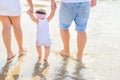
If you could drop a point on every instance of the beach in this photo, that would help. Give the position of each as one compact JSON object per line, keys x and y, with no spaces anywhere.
{"x":100,"y":58}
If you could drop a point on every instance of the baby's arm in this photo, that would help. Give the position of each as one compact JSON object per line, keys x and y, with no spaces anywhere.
{"x":53,"y":8}
{"x":33,"y":18}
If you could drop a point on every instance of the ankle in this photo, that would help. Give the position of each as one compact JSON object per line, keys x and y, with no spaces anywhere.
{"x":79,"y":59}
{"x":9,"y":53}
{"x":65,"y":51}
{"x":20,"y":48}
{"x":40,"y":56}
{"x":45,"y":60}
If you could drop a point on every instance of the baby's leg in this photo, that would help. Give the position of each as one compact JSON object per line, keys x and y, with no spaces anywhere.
{"x":47,"y":52}
{"x":39,"y":50}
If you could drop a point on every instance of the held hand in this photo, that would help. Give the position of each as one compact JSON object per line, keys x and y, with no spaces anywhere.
{"x":53,"y":6}
{"x":52,"y":3}
{"x":93,"y":3}
{"x":30,"y":11}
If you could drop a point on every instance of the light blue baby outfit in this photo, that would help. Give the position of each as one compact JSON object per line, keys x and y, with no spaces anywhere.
{"x":43,"y":37}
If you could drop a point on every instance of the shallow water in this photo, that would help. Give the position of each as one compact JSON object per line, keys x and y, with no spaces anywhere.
{"x":101,"y":55}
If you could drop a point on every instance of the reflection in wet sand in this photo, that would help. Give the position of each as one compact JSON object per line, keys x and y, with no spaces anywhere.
{"x":4,"y":70}
{"x":66,"y":69}
{"x":16,"y":70}
{"x":74,"y":70}
{"x":7,"y":69}
{"x":62,"y":69}
{"x":58,"y":72}
{"x":38,"y":70}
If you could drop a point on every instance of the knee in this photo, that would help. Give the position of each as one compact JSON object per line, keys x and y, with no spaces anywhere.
{"x":6,"y":27}
{"x":16,"y":27}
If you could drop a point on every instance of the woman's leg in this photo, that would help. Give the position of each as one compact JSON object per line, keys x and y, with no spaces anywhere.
{"x":6,"y":34}
{"x":15,"y":20}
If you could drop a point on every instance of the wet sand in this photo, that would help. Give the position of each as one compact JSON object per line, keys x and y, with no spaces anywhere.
{"x":101,"y":56}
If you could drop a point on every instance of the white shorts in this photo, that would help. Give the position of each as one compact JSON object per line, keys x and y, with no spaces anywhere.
{"x":10,"y":8}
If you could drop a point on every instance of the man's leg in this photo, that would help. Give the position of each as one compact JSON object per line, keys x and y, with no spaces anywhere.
{"x":65,"y":39}
{"x":66,"y":16}
{"x":81,"y":25}
{"x":18,"y":33}
{"x":6,"y":34}
{"x":81,"y":41}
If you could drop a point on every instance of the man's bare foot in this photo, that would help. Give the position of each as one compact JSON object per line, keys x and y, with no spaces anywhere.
{"x":64,"y":54}
{"x":79,"y":59}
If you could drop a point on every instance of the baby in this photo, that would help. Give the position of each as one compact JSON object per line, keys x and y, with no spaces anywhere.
{"x":43,"y":37}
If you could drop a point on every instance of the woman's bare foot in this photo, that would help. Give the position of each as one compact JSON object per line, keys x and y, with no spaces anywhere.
{"x":9,"y":54}
{"x":10,"y":57}
{"x":22,"y":52}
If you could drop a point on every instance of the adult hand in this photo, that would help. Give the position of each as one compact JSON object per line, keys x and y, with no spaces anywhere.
{"x":30,"y":11}
{"x":53,"y":4}
{"x":93,"y":3}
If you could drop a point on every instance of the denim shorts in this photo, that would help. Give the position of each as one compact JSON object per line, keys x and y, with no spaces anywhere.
{"x":77,"y":12}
